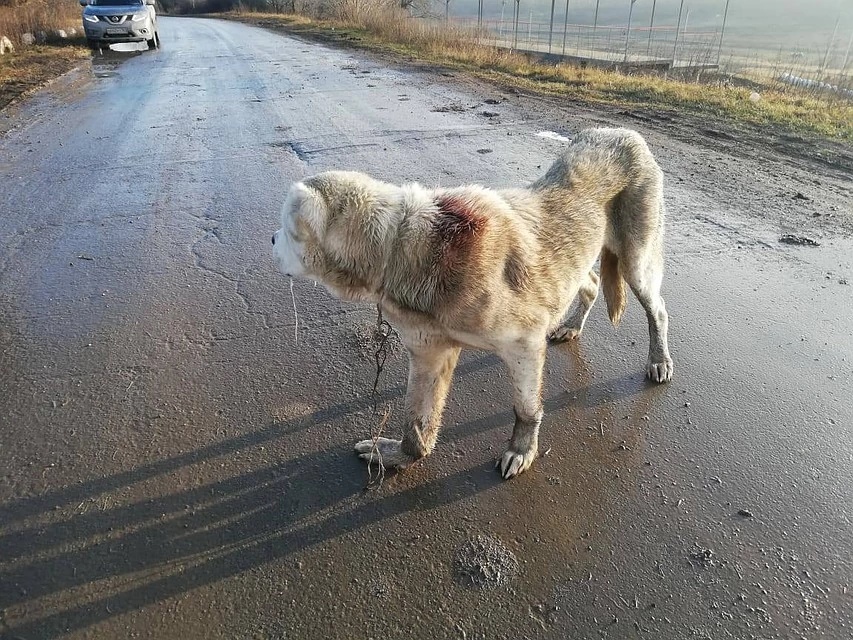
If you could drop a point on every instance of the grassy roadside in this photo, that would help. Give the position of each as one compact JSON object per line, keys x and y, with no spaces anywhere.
{"x":31,"y":67}
{"x":795,"y":110}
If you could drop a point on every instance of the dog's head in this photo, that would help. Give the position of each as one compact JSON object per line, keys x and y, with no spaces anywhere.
{"x":303,"y":223}
{"x":333,"y":229}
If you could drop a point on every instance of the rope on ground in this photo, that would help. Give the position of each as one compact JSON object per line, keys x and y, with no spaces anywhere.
{"x":383,"y":350}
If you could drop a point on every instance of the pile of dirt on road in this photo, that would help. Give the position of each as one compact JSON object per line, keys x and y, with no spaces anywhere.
{"x":35,"y":66}
{"x":484,"y":562}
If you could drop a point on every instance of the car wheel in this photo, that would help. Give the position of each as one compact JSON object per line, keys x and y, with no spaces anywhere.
{"x":154,"y":43}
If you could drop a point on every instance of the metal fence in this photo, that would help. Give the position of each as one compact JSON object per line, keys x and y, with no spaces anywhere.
{"x":659,"y":46}
{"x":679,"y":46}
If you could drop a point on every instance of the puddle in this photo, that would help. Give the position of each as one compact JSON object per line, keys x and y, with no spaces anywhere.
{"x":105,"y":62}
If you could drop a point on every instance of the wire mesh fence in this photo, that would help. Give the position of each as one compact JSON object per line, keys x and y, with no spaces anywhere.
{"x":671,"y":47}
{"x":658,"y":45}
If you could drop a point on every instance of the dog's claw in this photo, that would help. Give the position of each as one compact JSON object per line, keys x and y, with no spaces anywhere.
{"x":513,"y":463}
{"x":660,"y":371}
{"x":564,"y":334}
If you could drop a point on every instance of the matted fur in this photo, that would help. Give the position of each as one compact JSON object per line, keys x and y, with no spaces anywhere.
{"x":489,"y":269}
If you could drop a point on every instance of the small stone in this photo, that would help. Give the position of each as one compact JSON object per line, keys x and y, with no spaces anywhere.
{"x":802,"y":241}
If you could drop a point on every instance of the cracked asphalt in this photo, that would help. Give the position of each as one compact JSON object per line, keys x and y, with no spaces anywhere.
{"x":177,"y":449}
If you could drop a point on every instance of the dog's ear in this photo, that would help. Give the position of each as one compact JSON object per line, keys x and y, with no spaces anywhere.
{"x":306,"y":203}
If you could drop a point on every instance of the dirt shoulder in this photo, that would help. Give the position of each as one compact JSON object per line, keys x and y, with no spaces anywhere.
{"x":30,"y":68}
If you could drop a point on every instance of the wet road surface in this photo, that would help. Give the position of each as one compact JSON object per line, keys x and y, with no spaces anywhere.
{"x":177,"y":451}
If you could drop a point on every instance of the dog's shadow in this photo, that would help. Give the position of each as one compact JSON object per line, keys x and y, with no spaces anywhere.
{"x":184,"y":540}
{"x":192,"y":538}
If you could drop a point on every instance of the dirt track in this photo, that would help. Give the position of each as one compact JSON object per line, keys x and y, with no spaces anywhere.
{"x":177,"y":465}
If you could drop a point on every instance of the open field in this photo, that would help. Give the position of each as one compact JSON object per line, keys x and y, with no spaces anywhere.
{"x":750,"y":56}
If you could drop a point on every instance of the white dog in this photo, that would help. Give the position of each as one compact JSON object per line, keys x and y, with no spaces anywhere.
{"x":495,"y":270}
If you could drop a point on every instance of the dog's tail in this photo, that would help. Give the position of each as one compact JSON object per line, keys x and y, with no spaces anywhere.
{"x":613,"y":285}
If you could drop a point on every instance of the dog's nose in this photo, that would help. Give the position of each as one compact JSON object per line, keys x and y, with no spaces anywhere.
{"x":273,"y":238}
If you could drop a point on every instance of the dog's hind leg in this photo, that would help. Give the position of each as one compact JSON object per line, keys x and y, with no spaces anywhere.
{"x":525,"y":360}
{"x":573,"y":326}
{"x":638,"y":225}
{"x":644,"y":274}
{"x":431,"y":365}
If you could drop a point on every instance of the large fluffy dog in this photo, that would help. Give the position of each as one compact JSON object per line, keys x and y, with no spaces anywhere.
{"x":488,"y":269}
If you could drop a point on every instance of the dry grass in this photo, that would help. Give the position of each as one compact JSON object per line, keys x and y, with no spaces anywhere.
{"x":32,"y":67}
{"x":34,"y":16}
{"x":390,"y":31}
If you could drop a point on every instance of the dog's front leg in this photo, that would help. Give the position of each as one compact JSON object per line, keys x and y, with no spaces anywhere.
{"x":525,"y":360}
{"x":431,"y":365}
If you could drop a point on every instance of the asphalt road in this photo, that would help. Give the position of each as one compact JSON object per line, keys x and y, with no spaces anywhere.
{"x":177,"y":450}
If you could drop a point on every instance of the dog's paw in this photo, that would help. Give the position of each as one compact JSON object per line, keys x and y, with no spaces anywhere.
{"x":514,"y":462}
{"x":384,"y":451}
{"x":565,"y":333}
{"x":659,"y":371}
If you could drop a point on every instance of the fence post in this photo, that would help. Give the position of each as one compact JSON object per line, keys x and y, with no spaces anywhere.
{"x":530,"y":28}
{"x":677,"y":30}
{"x":829,"y":49}
{"x":722,"y":33}
{"x":551,"y":28}
{"x":595,"y":23}
{"x":515,"y":25}
{"x":651,"y":28}
{"x":566,"y":27}
{"x":628,"y":34}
